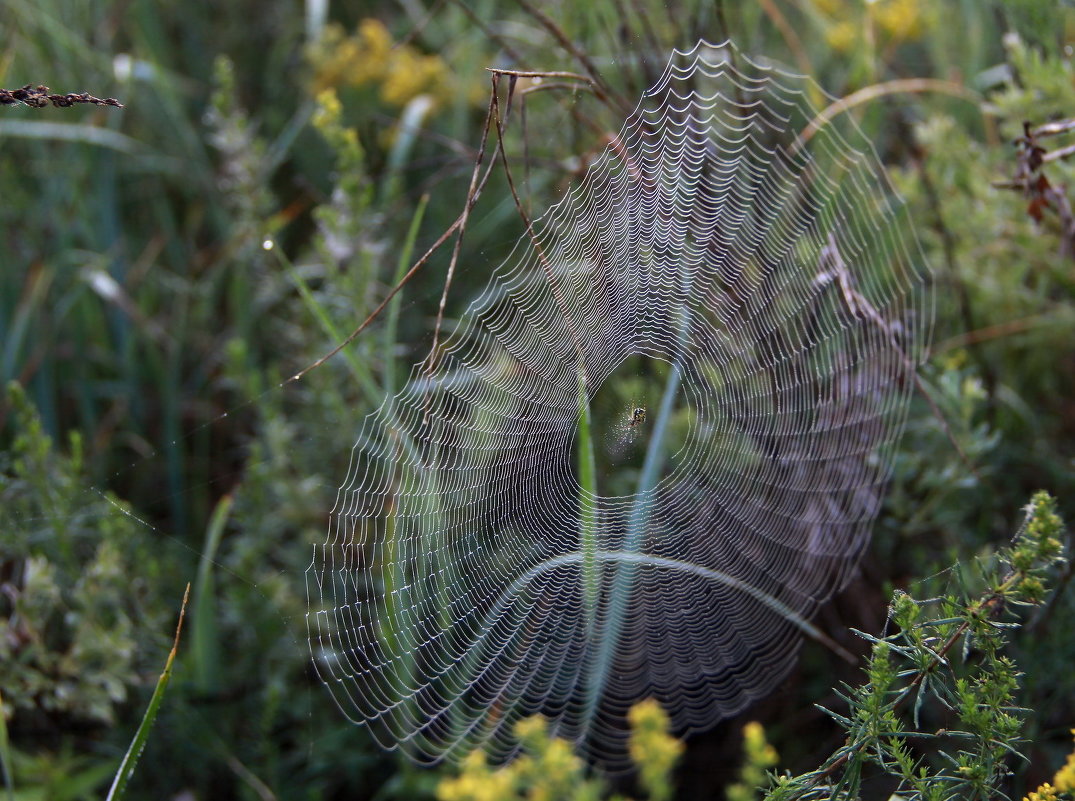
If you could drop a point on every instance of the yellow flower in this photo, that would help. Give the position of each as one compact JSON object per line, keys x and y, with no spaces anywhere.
{"x":370,"y":57}
{"x":842,"y":36}
{"x":758,"y":750}
{"x":376,"y":38}
{"x":652,"y":748}
{"x":758,"y":756}
{"x":1065,"y":777}
{"x":529,"y":728}
{"x":411,"y":74}
{"x":476,"y":782}
{"x":1044,"y":793}
{"x":753,"y":733}
{"x":831,"y":8}
{"x":559,"y":762}
{"x":1063,"y":782}
{"x":899,"y":19}
{"x":328,"y":110}
{"x":648,"y":716}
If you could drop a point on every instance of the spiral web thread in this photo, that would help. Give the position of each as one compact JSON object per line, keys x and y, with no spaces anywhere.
{"x":470,"y":579}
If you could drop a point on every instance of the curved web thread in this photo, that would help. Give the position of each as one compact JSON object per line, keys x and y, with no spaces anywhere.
{"x":482,"y":565}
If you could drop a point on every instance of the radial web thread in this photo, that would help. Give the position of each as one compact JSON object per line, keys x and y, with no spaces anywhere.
{"x":771,"y":283}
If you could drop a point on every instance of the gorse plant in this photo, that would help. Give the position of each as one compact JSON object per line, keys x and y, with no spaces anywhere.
{"x":78,"y":611}
{"x":937,"y":714}
{"x":935,"y":720}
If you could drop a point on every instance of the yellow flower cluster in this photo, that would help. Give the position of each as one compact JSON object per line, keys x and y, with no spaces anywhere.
{"x":477,"y":782}
{"x":1044,"y":793}
{"x":758,"y":757}
{"x":756,"y":747}
{"x":842,"y":36}
{"x":1063,"y":782}
{"x":893,"y":21}
{"x":652,"y":748}
{"x":1065,"y":777}
{"x":369,"y":56}
{"x":549,"y":770}
{"x":899,"y":19}
{"x":328,"y":120}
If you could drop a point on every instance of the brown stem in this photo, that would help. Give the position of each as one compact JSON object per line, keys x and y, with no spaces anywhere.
{"x":545,"y":265}
{"x":868,"y":93}
{"x":574,"y":50}
{"x":472,"y":196}
{"x":40,"y":97}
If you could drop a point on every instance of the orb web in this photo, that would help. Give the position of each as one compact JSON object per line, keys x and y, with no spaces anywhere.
{"x":475,"y":572}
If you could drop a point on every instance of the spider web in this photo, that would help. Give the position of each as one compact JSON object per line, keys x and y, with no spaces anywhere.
{"x":762,"y":274}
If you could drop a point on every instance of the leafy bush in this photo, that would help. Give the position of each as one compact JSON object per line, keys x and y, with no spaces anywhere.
{"x":71,"y":617}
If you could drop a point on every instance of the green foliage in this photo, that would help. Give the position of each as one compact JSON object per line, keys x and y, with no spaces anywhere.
{"x":78,"y":598}
{"x":78,"y":612}
{"x":1038,"y":87}
{"x":245,"y":168}
{"x":141,"y":735}
{"x":549,"y":770}
{"x":938,"y":711}
{"x":1039,"y":20}
{"x":1006,"y":316}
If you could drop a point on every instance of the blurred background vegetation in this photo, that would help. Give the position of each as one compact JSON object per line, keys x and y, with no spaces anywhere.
{"x":164,"y":268}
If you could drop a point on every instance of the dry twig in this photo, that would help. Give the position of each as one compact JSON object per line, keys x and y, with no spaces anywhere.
{"x":1040,"y":192}
{"x":40,"y":97}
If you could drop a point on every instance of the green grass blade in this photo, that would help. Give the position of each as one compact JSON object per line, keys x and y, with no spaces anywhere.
{"x":641,"y":509}
{"x":358,"y":368}
{"x":205,"y":640}
{"x":392,"y":323}
{"x":126,"y":767}
{"x":410,"y":124}
{"x":68,"y":132}
{"x":281,"y":146}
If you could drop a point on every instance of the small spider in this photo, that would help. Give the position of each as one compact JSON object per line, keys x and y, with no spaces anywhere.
{"x":638,"y":417}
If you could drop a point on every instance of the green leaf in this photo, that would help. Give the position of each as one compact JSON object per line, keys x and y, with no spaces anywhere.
{"x":141,"y":736}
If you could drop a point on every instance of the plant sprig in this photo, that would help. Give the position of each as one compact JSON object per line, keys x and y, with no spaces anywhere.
{"x":40,"y":97}
{"x":972,"y":689}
